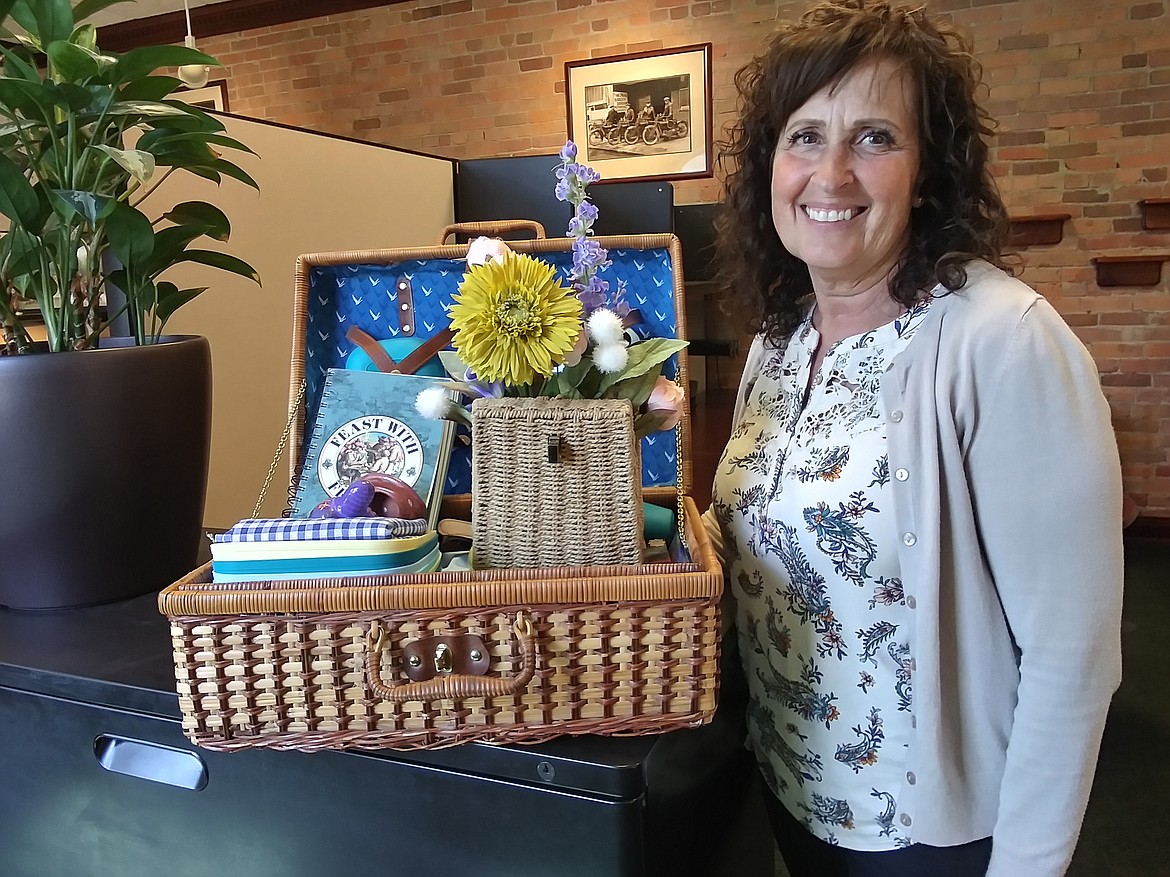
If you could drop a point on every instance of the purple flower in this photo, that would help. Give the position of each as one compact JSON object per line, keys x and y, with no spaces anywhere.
{"x":494,"y":389}
{"x":590,"y":300}
{"x":582,"y":222}
{"x":569,"y":151}
{"x":588,"y":255}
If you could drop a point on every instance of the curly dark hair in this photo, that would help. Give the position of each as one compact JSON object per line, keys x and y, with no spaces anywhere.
{"x":962,"y":216}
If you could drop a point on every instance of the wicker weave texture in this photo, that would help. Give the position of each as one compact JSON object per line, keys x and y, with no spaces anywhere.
{"x":308,"y":682}
{"x":531,"y":511}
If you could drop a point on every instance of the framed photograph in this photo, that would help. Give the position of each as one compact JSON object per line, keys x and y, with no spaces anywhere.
{"x":643,"y":116}
{"x":213,"y":96}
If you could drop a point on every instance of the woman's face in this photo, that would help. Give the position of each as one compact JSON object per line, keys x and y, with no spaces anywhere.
{"x":844,"y":175}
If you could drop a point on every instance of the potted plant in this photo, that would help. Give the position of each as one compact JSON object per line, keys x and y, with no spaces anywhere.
{"x":105,"y":440}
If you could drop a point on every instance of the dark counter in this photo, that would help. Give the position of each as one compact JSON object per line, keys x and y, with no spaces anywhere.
{"x":98,"y":781}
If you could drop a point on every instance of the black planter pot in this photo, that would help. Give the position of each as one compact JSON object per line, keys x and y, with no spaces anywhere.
{"x":104,"y":474}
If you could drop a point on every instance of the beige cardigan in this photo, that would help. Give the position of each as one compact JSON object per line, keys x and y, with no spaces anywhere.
{"x":1011,"y":551}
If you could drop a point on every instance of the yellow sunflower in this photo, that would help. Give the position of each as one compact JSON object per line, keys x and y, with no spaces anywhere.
{"x":513,"y":320}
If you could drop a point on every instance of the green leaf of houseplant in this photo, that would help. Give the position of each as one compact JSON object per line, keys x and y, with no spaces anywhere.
{"x":222,"y":261}
{"x":228,"y":169}
{"x":206,"y":218}
{"x":35,"y":100}
{"x":5,"y":8}
{"x":90,"y":206}
{"x":71,"y":62}
{"x":153,"y":109}
{"x":150,"y":88}
{"x":135,"y":162}
{"x":16,"y":67}
{"x":18,"y":199}
{"x":45,"y":20}
{"x":144,"y":60}
{"x":130,"y":234}
{"x":170,"y":298}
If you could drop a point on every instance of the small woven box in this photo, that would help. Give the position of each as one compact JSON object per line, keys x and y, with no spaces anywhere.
{"x":555,"y":482}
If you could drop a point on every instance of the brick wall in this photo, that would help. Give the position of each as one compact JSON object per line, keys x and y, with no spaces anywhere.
{"x":1081,"y":89}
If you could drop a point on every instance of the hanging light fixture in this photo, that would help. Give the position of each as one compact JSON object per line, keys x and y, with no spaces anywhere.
{"x":192,"y":75}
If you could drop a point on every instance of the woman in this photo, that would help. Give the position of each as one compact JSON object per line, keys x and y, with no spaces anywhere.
{"x":920,"y":502}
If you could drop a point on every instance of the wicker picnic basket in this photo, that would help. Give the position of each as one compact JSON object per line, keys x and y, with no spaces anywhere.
{"x":511,"y":655}
{"x":570,"y":650}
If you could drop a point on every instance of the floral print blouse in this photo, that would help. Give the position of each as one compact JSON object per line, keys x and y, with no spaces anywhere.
{"x":802,"y":498}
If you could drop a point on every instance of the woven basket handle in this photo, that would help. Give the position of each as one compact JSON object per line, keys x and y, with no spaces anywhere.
{"x":493,"y":228}
{"x":454,"y":686}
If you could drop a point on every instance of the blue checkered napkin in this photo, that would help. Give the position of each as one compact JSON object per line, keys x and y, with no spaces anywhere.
{"x":301,"y":529}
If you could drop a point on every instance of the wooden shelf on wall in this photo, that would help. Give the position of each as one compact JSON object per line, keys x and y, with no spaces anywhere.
{"x":1143,"y":270}
{"x":1046,"y":228}
{"x":1155,"y":214}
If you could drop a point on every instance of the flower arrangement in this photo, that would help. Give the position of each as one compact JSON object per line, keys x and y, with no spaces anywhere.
{"x":519,"y":331}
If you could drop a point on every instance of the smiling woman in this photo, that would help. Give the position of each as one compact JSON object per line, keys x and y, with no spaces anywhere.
{"x":930,"y":662}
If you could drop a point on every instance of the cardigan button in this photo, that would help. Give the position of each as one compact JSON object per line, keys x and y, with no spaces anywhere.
{"x":905,"y":819}
{"x":909,"y":539}
{"x":896,"y":416}
{"x":911,"y":602}
{"x":901,"y":474}
{"x":910,"y":778}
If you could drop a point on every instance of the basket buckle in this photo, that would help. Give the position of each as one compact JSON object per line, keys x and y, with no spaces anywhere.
{"x":433,"y":656}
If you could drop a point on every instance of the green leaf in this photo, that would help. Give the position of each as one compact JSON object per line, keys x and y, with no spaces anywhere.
{"x":45,"y":20}
{"x":76,"y":98}
{"x":21,"y":248}
{"x":84,"y":36}
{"x":572,"y":375}
{"x":169,"y":244}
{"x":18,"y":199}
{"x":228,"y":169}
{"x":163,"y":136}
{"x":144,"y":60}
{"x":200,"y":216}
{"x":91,"y":206}
{"x":5,"y":8}
{"x":173,"y":152}
{"x":16,"y":67}
{"x":135,"y":162}
{"x":31,"y":99}
{"x":151,"y":109}
{"x":149,"y":88}
{"x":130,"y":234}
{"x":453,"y":363}
{"x":171,"y":298}
{"x":644,"y":356}
{"x":224,"y":262}
{"x":71,"y":62}
{"x":636,"y":389}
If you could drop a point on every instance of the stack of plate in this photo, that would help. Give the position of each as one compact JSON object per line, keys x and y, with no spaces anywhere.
{"x":263,"y":549}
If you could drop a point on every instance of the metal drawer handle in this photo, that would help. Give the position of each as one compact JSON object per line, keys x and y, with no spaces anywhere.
{"x":151,"y":761}
{"x":454,"y":685}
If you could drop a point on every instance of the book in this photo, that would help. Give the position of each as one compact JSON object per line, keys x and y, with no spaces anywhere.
{"x":367,"y":422}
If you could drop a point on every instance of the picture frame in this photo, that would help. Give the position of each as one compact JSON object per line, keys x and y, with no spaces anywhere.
{"x":658,"y":143}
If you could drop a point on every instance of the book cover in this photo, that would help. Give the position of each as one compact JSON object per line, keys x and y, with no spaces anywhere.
{"x":367,"y":422}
